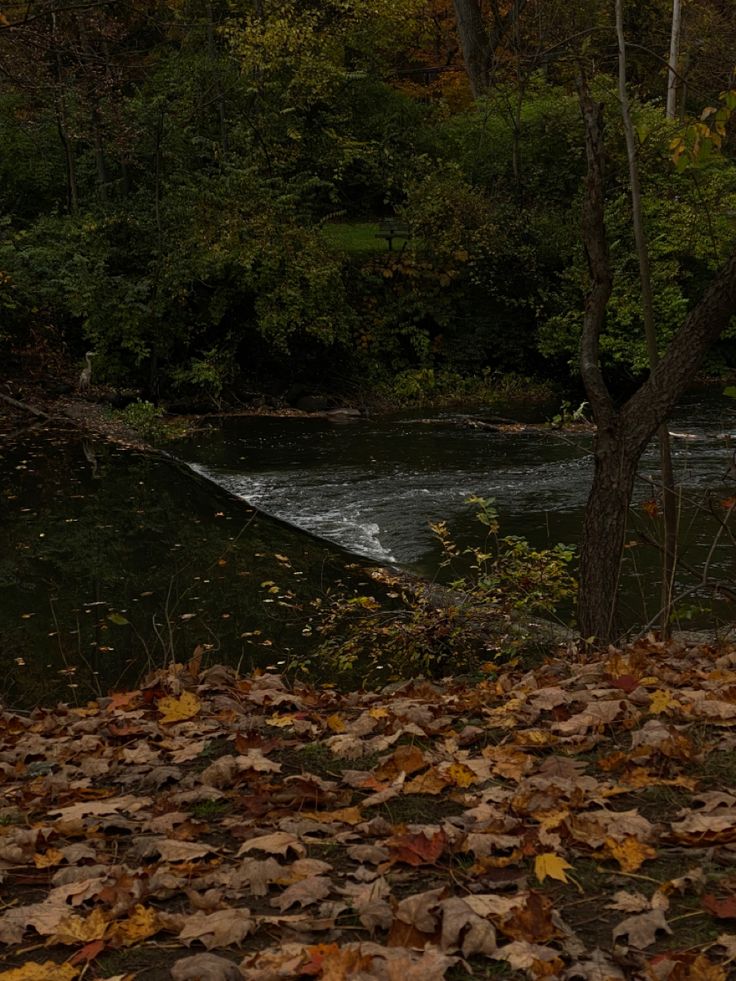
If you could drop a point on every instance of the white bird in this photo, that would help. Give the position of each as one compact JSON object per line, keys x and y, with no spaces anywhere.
{"x":85,"y":377}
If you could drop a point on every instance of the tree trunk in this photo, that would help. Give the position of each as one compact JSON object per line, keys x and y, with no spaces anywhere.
{"x":672,"y":73}
{"x":622,"y":435}
{"x":669,"y":542}
{"x":480,"y":43}
{"x":604,"y":532}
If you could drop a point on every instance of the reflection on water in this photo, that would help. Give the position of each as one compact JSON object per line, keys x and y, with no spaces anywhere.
{"x":110,"y":561}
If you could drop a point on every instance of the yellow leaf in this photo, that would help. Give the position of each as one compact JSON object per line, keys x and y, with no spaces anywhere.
{"x":630,"y":853}
{"x":378,"y":713}
{"x":660,"y":701}
{"x":551,"y":865}
{"x":142,"y":924}
{"x":77,"y":929}
{"x":177,"y":709}
{"x":461,"y":775}
{"x":336,"y":722}
{"x":51,"y":857}
{"x":33,"y":971}
{"x":280,"y":721}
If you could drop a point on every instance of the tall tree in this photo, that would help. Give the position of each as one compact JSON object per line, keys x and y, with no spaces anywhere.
{"x":480,"y":40}
{"x":669,"y":544}
{"x":623,"y":432}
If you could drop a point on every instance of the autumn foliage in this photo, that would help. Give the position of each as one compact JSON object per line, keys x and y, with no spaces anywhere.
{"x":573,"y":821}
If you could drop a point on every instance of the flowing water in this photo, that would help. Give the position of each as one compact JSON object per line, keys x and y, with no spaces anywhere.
{"x":375,"y":486}
{"x":111,"y":561}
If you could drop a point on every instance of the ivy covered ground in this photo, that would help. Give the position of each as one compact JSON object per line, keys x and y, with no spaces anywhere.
{"x":573,"y":821}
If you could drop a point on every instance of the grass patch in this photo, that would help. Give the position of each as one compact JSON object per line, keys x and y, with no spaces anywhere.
{"x":209,"y":810}
{"x":356,"y":238}
{"x":417,"y":809}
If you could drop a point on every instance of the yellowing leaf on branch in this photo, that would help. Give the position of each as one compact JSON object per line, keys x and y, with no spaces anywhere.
{"x":551,"y":866}
{"x":179,"y":709}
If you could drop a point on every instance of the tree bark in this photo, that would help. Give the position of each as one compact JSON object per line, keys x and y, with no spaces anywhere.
{"x":672,"y":74}
{"x":669,"y":542}
{"x":623,"y":434}
{"x":480,"y":43}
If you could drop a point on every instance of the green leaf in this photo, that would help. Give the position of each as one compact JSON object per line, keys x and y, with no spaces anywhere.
{"x":118,"y":619}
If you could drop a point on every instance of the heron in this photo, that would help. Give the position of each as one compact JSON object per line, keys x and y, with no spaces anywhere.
{"x":85,"y":377}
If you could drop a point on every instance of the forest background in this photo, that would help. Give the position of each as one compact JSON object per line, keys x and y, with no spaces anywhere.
{"x":194,"y":190}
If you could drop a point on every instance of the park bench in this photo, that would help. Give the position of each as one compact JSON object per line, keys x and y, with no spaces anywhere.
{"x":391,"y":228}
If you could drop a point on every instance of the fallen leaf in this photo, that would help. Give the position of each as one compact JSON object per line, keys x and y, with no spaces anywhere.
{"x":722,"y":909}
{"x":186,"y":706}
{"x":278,"y":843}
{"x":219,"y":929}
{"x":305,"y":893}
{"x":33,"y":971}
{"x":642,"y":929}
{"x":551,"y":865}
{"x":417,"y":849}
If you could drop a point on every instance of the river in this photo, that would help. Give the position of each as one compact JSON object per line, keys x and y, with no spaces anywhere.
{"x":112,"y":562}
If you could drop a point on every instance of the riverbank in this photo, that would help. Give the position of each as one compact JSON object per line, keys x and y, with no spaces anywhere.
{"x":575,"y":818}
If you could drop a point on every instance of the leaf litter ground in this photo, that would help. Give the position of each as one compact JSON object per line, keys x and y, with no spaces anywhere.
{"x":574,"y":821}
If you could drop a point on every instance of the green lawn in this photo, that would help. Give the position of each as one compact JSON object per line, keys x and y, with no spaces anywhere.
{"x":356,"y":237}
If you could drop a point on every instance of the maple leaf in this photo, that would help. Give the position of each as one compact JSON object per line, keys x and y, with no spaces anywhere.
{"x":641,"y":929}
{"x":141,"y":924}
{"x":305,"y":893}
{"x":208,"y":966}
{"x":722,"y":909}
{"x":33,"y":971}
{"x":549,"y":864}
{"x":179,"y":709}
{"x":278,"y":843}
{"x":630,"y":853}
{"x":220,"y":929}
{"x":417,"y":849}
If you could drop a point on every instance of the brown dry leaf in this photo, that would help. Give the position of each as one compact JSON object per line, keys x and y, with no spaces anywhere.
{"x":728,"y":940}
{"x":531,"y":922}
{"x":417,"y":849}
{"x":405,"y":759}
{"x":33,"y":971}
{"x":629,"y":902}
{"x":305,"y":893}
{"x":642,"y":929}
{"x":205,"y":966}
{"x":344,"y":815}
{"x":597,"y":967}
{"x":171,"y":850}
{"x":464,"y":930}
{"x":630,"y":853}
{"x":259,"y":874}
{"x":129,"y":804}
{"x":220,"y":929}
{"x":278,"y":843}
{"x":172,"y":709}
{"x":535,"y":958}
{"x":432,"y":782}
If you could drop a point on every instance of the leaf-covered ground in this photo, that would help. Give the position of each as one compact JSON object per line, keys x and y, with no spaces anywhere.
{"x":574,"y":821}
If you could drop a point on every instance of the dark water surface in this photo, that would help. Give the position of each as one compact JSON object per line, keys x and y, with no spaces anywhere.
{"x":374,"y":486}
{"x":111,"y":561}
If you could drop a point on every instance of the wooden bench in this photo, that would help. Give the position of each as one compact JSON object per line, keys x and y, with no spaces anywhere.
{"x":391,"y":228}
